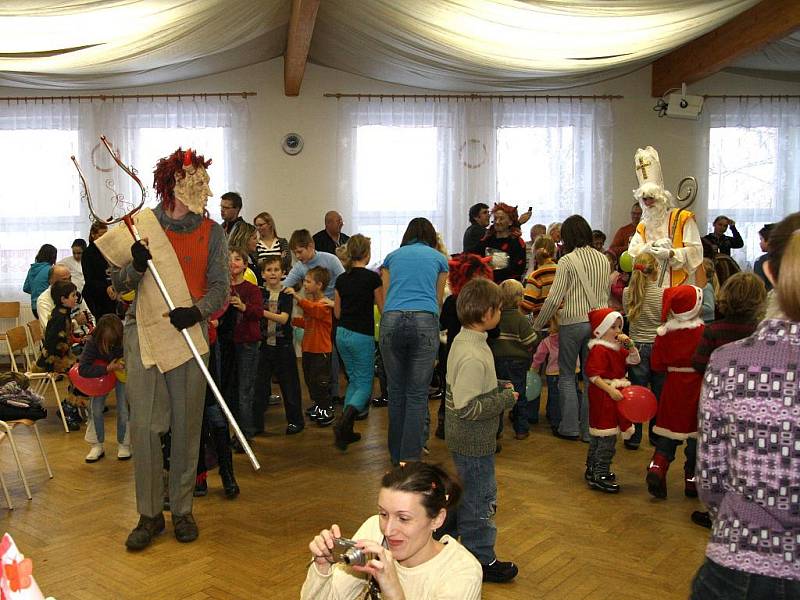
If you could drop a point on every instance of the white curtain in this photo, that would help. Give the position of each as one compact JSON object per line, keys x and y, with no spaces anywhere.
{"x":752,"y":172}
{"x":436,"y":158}
{"x":40,"y":200}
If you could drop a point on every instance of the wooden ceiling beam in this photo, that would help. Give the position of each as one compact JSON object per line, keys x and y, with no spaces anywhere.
{"x":301,"y":28}
{"x":765,"y":22}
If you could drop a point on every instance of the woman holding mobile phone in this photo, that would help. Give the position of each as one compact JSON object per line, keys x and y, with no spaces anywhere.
{"x":408,"y":562}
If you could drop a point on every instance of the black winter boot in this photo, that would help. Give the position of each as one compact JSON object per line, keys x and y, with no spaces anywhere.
{"x":343,"y":430}
{"x":225,"y":458}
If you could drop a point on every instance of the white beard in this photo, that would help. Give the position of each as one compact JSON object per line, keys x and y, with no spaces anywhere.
{"x":656,"y":220}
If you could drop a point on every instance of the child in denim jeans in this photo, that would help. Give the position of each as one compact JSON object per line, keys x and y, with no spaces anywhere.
{"x":474,"y":401}
{"x":512,"y":351}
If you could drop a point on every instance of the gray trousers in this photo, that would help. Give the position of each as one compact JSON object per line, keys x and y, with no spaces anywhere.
{"x":160,"y":402}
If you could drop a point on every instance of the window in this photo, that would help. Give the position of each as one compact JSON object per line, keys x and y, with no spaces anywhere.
{"x":395,"y":180}
{"x":39,"y":200}
{"x":535,"y":168}
{"x":743,"y":183}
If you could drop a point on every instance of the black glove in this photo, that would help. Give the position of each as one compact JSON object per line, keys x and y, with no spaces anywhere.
{"x":183,"y":317}
{"x":140,"y":255}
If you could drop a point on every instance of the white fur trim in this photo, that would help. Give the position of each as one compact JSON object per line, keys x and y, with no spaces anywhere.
{"x":606,"y":324}
{"x":628,"y":433}
{"x":675,"y":325}
{"x":603,"y":432}
{"x":672,"y":434}
{"x":605,"y":343}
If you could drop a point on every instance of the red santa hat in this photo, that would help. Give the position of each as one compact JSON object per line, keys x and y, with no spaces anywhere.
{"x":683,"y":301}
{"x":601,"y":320}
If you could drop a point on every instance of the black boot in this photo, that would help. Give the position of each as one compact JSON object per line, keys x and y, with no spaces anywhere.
{"x":343,"y":430}
{"x":225,"y":458}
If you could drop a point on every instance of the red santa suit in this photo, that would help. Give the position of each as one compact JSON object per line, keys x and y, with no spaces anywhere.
{"x":609,"y":361}
{"x":675,"y":343}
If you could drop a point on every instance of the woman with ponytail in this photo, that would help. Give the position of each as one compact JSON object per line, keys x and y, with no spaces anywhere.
{"x":642,"y":302}
{"x":748,"y":469}
{"x":408,"y":561}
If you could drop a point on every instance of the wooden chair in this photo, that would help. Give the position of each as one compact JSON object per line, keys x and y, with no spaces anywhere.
{"x":9,"y":310}
{"x":17,"y":342}
{"x":35,"y":338}
{"x":6,"y":431}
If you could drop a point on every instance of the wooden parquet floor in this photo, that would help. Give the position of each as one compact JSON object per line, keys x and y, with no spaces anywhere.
{"x":570,"y":542}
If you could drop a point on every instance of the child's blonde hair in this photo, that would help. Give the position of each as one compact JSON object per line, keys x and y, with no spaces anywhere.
{"x":511,"y":292}
{"x":544,"y":248}
{"x":645,"y":269}
{"x":357,"y":248}
{"x":711,"y":274}
{"x":743,"y":295}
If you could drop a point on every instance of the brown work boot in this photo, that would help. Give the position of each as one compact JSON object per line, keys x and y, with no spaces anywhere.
{"x":144,"y":533}
{"x":185,"y":528}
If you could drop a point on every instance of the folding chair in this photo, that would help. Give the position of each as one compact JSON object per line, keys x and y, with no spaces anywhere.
{"x":6,"y":429}
{"x":9,"y":310}
{"x":17,"y":342}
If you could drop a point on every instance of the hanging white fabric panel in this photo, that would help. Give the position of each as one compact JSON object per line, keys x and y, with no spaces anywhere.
{"x":459,"y":45}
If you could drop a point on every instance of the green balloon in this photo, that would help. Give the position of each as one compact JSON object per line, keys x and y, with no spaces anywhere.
{"x":626,"y":262}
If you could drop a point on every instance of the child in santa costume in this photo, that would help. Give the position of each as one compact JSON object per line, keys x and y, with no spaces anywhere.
{"x":676,"y":341}
{"x":610,"y":353}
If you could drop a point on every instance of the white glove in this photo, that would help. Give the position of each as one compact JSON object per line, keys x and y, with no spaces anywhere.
{"x":661,"y":254}
{"x":499,"y":260}
{"x":663,"y":243}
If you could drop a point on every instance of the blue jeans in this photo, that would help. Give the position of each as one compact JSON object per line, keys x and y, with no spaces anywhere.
{"x":516,"y":370}
{"x":641,"y":374}
{"x":358,"y":353}
{"x":247,"y":367}
{"x":98,"y":404}
{"x":475,"y":513}
{"x":409,"y":341}
{"x":572,"y":342}
{"x":715,"y":582}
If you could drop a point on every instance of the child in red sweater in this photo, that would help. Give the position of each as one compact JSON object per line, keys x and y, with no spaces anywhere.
{"x":247,"y":307}
{"x":317,"y":321}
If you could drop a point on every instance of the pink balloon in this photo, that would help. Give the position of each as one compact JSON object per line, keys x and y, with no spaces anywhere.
{"x":92,"y":386}
{"x":638,"y":404}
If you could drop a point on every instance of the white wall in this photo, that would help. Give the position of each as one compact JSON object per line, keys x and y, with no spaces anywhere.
{"x":298,"y":190}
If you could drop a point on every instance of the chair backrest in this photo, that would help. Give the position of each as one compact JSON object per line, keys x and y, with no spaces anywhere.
{"x":35,"y":337}
{"x":9,"y":310}
{"x":17,"y":342}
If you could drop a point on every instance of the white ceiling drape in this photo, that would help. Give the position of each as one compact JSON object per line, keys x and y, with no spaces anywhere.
{"x":456,"y":45}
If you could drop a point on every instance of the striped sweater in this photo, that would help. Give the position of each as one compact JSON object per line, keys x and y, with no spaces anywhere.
{"x":516,"y":337}
{"x":567,"y":287}
{"x":643,"y":329}
{"x":537,"y":287}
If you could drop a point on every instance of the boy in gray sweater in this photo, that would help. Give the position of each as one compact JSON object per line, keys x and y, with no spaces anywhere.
{"x":474,"y":399}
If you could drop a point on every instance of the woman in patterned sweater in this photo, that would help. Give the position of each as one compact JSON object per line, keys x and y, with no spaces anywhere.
{"x":749,"y":460}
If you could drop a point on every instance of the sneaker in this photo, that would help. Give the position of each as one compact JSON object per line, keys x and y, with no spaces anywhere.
{"x":326,"y":417}
{"x":499,"y":571}
{"x":144,"y":532}
{"x":200,"y":489}
{"x":73,"y":425}
{"x":273,"y":400}
{"x":95,"y":453}
{"x":604,"y":483}
{"x":313,"y":412}
{"x":124,"y":452}
{"x":293,"y":428}
{"x":379,"y":401}
{"x":185,"y":528}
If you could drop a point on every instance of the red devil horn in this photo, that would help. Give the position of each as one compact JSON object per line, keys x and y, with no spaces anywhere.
{"x":187,"y":158}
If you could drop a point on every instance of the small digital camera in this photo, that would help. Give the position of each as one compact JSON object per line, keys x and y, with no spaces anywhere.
{"x":345,"y":551}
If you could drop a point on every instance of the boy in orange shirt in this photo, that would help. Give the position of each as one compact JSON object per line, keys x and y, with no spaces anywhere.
{"x":317,"y":321}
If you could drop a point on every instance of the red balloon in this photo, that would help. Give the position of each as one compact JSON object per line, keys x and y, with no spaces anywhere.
{"x":92,"y":386}
{"x":638,"y":404}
